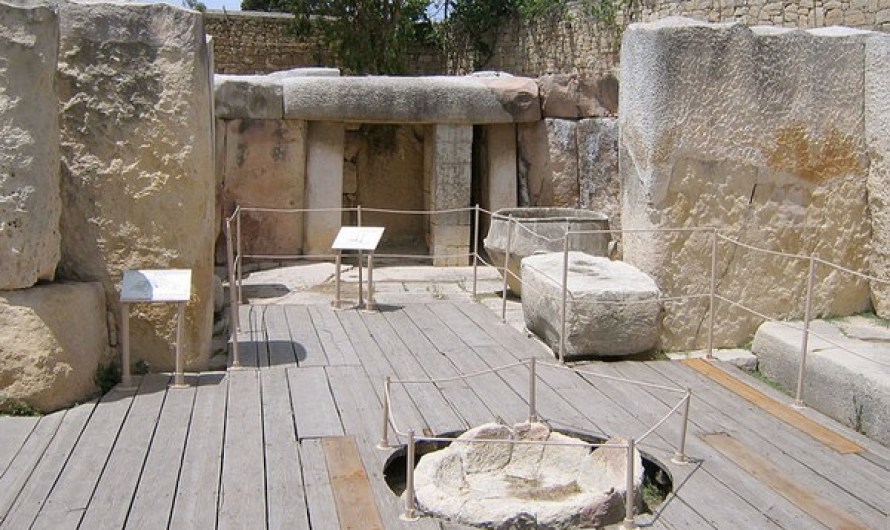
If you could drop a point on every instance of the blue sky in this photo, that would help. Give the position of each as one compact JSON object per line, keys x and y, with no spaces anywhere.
{"x":230,"y":5}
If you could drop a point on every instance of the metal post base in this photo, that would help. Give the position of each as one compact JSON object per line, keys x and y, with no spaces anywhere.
{"x":409,"y":517}
{"x":798,"y":405}
{"x":680,"y":459}
{"x":341,"y":304}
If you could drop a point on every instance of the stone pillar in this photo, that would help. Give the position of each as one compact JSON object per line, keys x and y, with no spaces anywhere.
{"x":501,"y":166}
{"x":448,"y":162}
{"x":30,"y":203}
{"x":877,"y":137}
{"x":324,"y":185}
{"x":598,"y":178}
{"x":137,"y":162}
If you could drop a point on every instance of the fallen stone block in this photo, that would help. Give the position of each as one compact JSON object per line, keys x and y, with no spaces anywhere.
{"x":613,"y":308}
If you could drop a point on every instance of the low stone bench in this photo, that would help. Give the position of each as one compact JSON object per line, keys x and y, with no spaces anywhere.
{"x":612,"y":309}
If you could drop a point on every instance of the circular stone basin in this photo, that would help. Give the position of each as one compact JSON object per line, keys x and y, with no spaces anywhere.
{"x":507,"y":486}
{"x":542,"y":230}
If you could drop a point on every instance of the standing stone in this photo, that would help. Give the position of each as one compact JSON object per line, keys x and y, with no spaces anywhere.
{"x":757,"y":132}
{"x":52,"y":339}
{"x":573,"y":96}
{"x":548,"y":154}
{"x":877,"y":138}
{"x":447,"y":164}
{"x":29,"y":151}
{"x":266,"y":167}
{"x":137,"y":161}
{"x":324,"y":185}
{"x":598,"y":176}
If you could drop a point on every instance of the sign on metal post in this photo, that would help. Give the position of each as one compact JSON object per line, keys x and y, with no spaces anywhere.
{"x":154,"y":286}
{"x":362,"y":239}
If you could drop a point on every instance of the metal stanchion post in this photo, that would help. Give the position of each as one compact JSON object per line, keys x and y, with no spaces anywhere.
{"x":711,"y":304}
{"x":234,"y":317}
{"x":384,"y":437}
{"x":178,"y":374}
{"x":338,"y":267}
{"x":239,"y":266}
{"x":565,"y":294}
{"x":680,"y":456}
{"x":126,"y":375}
{"x":370,"y":305}
{"x":629,"y":499}
{"x":476,"y":252}
{"x":410,"y":509}
{"x":506,"y":268}
{"x":532,"y":409}
{"x":808,"y":314}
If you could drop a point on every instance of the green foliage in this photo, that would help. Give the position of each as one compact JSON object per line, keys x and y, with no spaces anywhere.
{"x":107,"y":375}
{"x":15,"y":407}
{"x":197,"y":5}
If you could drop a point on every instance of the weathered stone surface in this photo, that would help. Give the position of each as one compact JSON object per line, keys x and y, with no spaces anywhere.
{"x":758,"y":133}
{"x":443,"y":100}
{"x":575,"y":96}
{"x":598,"y":177}
{"x":30,"y":204}
{"x":137,"y":166}
{"x":525,"y":486}
{"x":52,"y":339}
{"x":324,"y":185}
{"x":535,"y":230}
{"x":448,"y":175}
{"x":877,"y":140}
{"x":852,"y":388}
{"x":247,"y":96}
{"x":265,"y":167}
{"x":612,"y":309}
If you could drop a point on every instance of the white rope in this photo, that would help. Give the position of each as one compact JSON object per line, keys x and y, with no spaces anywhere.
{"x":458,"y":378}
{"x":851,"y":271}
{"x":613,"y":378}
{"x":512,"y":441}
{"x":762,"y":250}
{"x":662,"y":420}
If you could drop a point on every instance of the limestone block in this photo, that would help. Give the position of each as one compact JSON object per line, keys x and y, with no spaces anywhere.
{"x":447,"y":162}
{"x":137,"y":161}
{"x":324,"y":185}
{"x":613,"y":308}
{"x":852,"y":388}
{"x":598,"y":177}
{"x":433,"y":99}
{"x":30,"y":204}
{"x":266,"y":168}
{"x":757,"y":133}
{"x":52,"y":339}
{"x":247,"y":96}
{"x":877,"y":138}
{"x":549,"y":162}
{"x":575,"y":96}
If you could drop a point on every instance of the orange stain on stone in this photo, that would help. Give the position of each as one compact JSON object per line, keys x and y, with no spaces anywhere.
{"x":814,"y":159}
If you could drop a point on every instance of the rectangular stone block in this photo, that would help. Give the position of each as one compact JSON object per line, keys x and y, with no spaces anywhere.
{"x":324,"y":185}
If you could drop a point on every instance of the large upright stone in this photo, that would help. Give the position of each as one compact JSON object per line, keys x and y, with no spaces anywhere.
{"x":598,"y":179}
{"x":52,"y":339}
{"x":448,"y":170}
{"x":324,"y":185}
{"x":29,"y":150}
{"x":757,"y":132}
{"x":137,"y":166}
{"x":548,"y":152}
{"x":877,"y":138}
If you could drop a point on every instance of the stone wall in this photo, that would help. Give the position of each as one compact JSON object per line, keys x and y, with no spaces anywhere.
{"x":259,"y":43}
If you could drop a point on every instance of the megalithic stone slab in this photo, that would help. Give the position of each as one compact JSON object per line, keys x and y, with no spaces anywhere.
{"x":30,"y":204}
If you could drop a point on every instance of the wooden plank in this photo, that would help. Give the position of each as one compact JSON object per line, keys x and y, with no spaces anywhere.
{"x":153,"y":502}
{"x":820,"y":509}
{"x":724,"y":494}
{"x":797,"y":420}
{"x":197,"y":492}
{"x":242,"y":493}
{"x":307,"y":347}
{"x":71,"y":493}
{"x":360,"y":412}
{"x":378,"y":365}
{"x":18,"y":482}
{"x":319,"y":495}
{"x":354,"y":498}
{"x":314,"y":409}
{"x":437,"y":413}
{"x":261,"y":335}
{"x":278,"y":338}
{"x":333,"y":339}
{"x":32,"y":497}
{"x":14,"y":431}
{"x":110,"y":502}
{"x":285,"y":498}
{"x":853,"y":482}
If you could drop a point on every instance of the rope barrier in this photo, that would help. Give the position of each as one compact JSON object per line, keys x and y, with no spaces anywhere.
{"x":613,"y":378}
{"x":457,"y":378}
{"x":662,"y":420}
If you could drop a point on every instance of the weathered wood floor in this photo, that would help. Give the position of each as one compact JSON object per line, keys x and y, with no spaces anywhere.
{"x":289,"y":442}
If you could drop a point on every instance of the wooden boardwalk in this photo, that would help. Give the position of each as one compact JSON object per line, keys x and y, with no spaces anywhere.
{"x":289,"y":441}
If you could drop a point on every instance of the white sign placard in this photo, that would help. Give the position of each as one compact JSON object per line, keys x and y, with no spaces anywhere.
{"x":358,"y":238}
{"x":160,"y":285}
